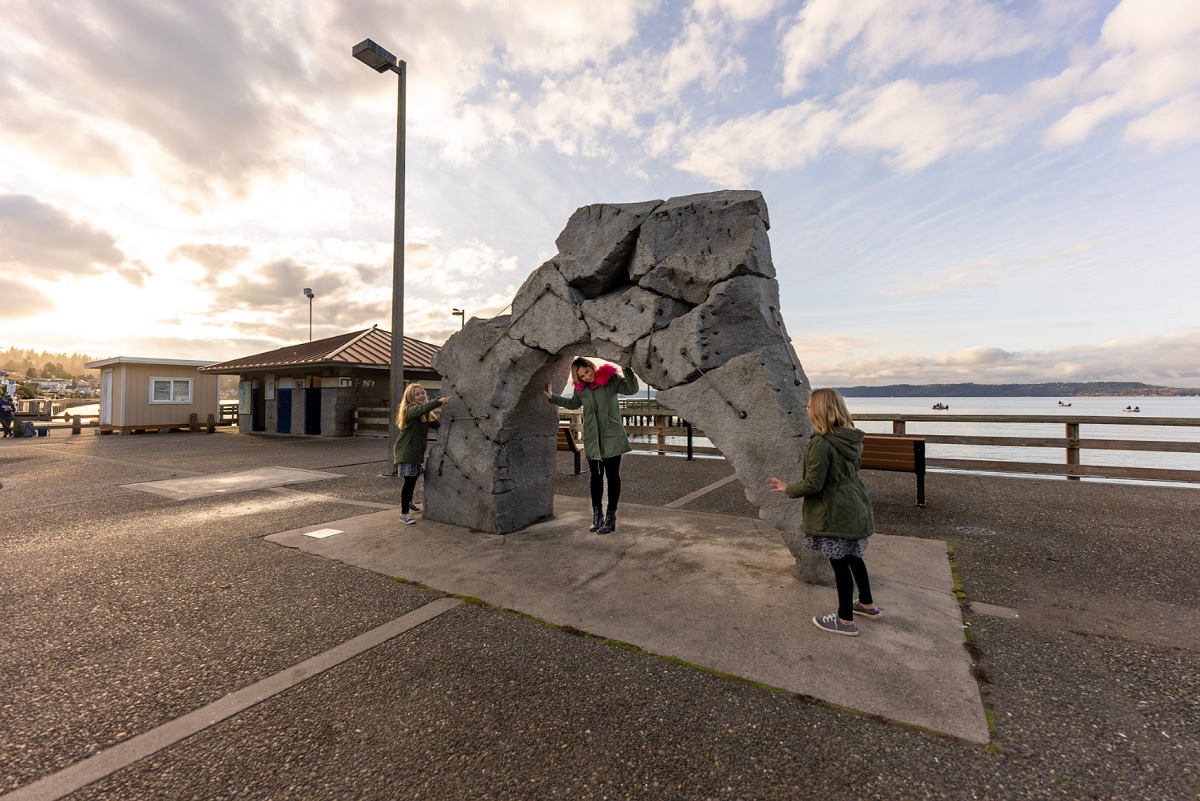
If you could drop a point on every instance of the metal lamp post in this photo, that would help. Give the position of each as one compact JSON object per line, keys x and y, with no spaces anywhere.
{"x":461,"y":314}
{"x":381,"y":60}
{"x":308,"y":293}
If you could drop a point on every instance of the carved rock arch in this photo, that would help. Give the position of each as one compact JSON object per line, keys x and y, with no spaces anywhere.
{"x":685,"y":291}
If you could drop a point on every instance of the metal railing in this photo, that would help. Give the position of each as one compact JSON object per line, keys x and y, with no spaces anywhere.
{"x":659,"y":423}
{"x":641,"y":420}
{"x":1072,"y":444}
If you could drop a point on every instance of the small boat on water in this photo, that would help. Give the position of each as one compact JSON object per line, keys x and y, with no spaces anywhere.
{"x":1060,"y":403}
{"x":940,"y":406}
{"x":1131,"y":409}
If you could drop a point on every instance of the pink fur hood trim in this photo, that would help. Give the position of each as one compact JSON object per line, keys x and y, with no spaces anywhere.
{"x":604,"y":374}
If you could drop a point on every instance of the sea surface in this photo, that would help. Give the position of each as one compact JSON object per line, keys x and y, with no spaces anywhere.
{"x":1170,"y":407}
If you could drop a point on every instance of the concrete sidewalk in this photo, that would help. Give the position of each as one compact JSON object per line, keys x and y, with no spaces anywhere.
{"x":715,"y":591}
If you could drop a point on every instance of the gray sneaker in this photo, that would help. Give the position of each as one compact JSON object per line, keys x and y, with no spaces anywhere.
{"x":407,"y":518}
{"x":871,"y":612}
{"x":831,"y":624}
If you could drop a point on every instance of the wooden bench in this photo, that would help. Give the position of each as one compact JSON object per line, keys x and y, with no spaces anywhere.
{"x":896,"y":453}
{"x":566,"y":442}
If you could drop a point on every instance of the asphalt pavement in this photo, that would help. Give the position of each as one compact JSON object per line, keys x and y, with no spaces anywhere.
{"x":180,"y":645}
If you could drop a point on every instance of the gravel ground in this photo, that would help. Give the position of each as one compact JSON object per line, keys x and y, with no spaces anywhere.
{"x":480,"y":704}
{"x":124,"y":610}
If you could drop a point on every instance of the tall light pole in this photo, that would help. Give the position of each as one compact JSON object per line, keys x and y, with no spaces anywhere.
{"x":381,"y":60}
{"x":308,"y":293}
{"x":461,"y":314}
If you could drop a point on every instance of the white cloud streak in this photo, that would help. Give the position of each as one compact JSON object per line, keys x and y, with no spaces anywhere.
{"x":875,"y":36}
{"x":1169,"y":360}
{"x":1144,"y":69}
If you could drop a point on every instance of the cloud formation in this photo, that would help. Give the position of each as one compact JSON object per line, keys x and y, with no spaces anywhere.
{"x":1167,"y":360}
{"x":941,"y":174}
{"x":1143,"y":70}
{"x":19,"y":301}
{"x":875,"y":36}
{"x":49,"y":243}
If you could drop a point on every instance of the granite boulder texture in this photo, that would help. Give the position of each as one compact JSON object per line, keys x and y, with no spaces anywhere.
{"x":684,"y":292}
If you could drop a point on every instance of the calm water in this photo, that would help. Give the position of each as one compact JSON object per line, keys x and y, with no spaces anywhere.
{"x":1080,"y":407}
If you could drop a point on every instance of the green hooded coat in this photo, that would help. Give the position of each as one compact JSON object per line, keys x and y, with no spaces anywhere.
{"x":836,"y":503}
{"x":603,"y":430}
{"x":411,"y":440}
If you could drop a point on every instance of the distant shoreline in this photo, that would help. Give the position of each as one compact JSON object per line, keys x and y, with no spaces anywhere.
{"x":1082,"y":389}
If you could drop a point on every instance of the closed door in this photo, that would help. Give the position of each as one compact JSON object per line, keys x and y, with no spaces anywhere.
{"x":284,"y":411}
{"x":106,"y":398}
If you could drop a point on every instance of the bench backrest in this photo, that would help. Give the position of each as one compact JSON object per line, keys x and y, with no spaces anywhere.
{"x":883,"y":452}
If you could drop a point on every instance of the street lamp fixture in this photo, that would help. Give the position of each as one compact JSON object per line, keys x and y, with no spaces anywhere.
{"x":461,"y":314}
{"x":308,"y":293}
{"x":381,"y":61}
{"x":375,"y":57}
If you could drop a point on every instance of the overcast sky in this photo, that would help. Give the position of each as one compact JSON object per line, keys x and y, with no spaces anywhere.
{"x":959,"y":190}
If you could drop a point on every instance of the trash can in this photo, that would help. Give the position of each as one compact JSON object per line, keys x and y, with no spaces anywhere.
{"x":43,"y":431}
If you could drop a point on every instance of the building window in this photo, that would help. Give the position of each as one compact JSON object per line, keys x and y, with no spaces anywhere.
{"x":170,"y":390}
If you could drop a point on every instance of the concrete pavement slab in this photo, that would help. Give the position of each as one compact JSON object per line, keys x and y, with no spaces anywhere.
{"x":716,"y":591}
{"x":227,"y":483}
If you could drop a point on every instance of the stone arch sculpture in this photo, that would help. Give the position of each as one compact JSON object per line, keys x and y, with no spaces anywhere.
{"x":685,"y":291}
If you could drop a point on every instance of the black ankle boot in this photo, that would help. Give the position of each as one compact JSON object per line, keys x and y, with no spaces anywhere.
{"x":610,"y":523}
{"x":596,"y":519}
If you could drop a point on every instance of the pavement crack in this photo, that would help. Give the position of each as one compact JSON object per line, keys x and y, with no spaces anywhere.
{"x":602,"y":573}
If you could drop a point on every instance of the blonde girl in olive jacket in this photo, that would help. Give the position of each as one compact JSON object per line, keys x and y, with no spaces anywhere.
{"x":413,"y":420}
{"x":604,"y":439}
{"x":837,"y":514}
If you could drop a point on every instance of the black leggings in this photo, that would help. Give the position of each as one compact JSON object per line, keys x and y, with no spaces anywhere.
{"x":848,"y":571}
{"x":610,"y":467}
{"x":410,"y":484}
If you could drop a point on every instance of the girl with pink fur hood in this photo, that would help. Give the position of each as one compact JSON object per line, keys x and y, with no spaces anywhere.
{"x":604,"y":439}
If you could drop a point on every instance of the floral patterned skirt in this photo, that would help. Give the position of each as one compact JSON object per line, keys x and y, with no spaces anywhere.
{"x":408,"y":470}
{"x":836,"y":547}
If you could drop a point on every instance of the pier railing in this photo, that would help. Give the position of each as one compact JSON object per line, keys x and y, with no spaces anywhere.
{"x":656,"y":424}
{"x":1072,"y":444}
{"x":649,"y":424}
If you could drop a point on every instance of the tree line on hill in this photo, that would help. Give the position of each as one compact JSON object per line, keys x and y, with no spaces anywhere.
{"x":28,"y":363}
{"x":1068,"y":389}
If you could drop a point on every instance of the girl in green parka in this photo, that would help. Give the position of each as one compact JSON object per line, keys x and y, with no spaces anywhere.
{"x":837,"y":514}
{"x":414,"y":419}
{"x":604,"y":440}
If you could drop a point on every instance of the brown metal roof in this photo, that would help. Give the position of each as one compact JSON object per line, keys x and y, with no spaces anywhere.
{"x":369,"y":348}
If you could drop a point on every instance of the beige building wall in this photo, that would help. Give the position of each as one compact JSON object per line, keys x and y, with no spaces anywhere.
{"x":133,"y":405}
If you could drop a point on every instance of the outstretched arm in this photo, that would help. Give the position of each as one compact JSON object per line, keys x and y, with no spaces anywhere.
{"x":572,"y":402}
{"x":816,"y":468}
{"x":629,"y":382}
{"x":776,"y":485}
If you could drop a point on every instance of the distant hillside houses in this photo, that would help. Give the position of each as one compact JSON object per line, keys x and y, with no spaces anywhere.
{"x":55,"y":386}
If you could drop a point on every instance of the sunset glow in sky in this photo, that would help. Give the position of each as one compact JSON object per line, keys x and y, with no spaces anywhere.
{"x":959,"y":190}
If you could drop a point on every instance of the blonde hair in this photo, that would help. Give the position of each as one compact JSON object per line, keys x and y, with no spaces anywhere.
{"x":828,"y":411}
{"x":406,"y":401}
